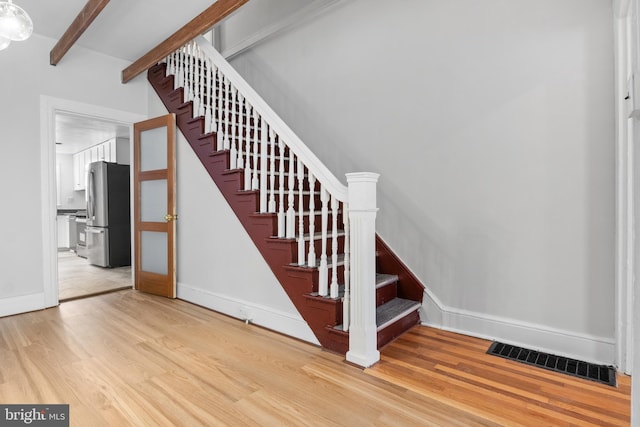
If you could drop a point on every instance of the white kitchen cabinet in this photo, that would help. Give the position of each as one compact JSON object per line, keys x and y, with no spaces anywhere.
{"x":63,"y":231}
{"x":78,"y":170}
{"x":120,"y":151}
{"x":114,"y":150}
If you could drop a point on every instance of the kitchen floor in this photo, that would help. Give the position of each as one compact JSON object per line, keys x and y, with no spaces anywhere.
{"x":77,"y":278}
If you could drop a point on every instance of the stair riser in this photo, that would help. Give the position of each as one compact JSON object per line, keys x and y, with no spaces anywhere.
{"x":317,"y":246}
{"x":398,"y":328}
{"x":386,"y":293}
{"x":175,"y":99}
{"x":308,"y":278}
{"x":323,"y":309}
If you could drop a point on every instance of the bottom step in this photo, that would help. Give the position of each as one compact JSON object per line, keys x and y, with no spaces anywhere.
{"x":391,"y":312}
{"x":396,"y":309}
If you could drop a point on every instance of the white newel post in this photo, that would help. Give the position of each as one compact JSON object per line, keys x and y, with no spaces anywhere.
{"x":363,"y":348}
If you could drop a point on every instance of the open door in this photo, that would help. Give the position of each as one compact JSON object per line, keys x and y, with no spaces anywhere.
{"x":154,"y":205}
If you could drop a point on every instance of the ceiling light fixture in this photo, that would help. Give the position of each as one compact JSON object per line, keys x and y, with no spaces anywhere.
{"x":15,"y":23}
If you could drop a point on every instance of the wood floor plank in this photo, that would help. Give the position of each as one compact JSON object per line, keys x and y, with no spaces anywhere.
{"x":129,"y":358}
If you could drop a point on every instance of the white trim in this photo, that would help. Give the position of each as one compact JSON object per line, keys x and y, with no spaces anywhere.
{"x":261,"y":315}
{"x":624,"y":192}
{"x":431,"y":312}
{"x":304,"y":14}
{"x":49,"y":106}
{"x":586,"y":347}
{"x":21,"y":304}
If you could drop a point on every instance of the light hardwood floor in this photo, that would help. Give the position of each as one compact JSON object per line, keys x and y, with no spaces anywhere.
{"x":77,"y":278}
{"x":131,"y":359}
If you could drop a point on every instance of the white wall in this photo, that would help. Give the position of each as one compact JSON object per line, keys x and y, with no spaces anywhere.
{"x":255,"y":16}
{"x":492,"y":125}
{"x":82,"y":76}
{"x":218,"y":266}
{"x":259,"y":19}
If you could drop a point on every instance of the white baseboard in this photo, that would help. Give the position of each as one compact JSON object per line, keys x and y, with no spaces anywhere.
{"x":267,"y":317}
{"x":585,"y":347}
{"x":21,"y":304}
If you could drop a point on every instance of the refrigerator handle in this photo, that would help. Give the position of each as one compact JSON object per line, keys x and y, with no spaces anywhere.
{"x":90,"y":196}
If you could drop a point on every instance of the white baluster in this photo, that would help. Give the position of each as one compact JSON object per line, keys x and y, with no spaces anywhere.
{"x":334,"y":288}
{"x":301,"y":254}
{"x":214,"y":99}
{"x":291,"y":213}
{"x":167,"y":70}
{"x":272,"y":171}
{"x":220,"y":116}
{"x":247,"y":164}
{"x":264,"y":145}
{"x":208,"y":105}
{"x":281,"y":222}
{"x":346,"y":302}
{"x":178,"y":69}
{"x":187,"y":71}
{"x":311,"y":259}
{"x":323,"y":270}
{"x":227,"y":113}
{"x":233,"y":155}
{"x":203,"y":73}
{"x":190,"y":76}
{"x":240,"y":162}
{"x":177,"y":81}
{"x":255,"y":183}
{"x":196,"y":81}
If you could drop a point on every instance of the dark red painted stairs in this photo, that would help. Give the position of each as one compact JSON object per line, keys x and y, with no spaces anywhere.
{"x":398,"y":291}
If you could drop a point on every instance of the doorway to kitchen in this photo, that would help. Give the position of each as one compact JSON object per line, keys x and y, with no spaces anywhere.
{"x":82,"y":142}
{"x":73,"y":136}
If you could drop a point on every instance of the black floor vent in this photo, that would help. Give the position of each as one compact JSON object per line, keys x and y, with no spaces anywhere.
{"x":576,"y":368}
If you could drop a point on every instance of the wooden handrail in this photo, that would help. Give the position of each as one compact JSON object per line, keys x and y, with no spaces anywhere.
{"x":198,"y":25}
{"x":86,"y":16}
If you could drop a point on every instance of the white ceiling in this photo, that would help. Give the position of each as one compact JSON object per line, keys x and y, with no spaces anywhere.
{"x":75,"y":133}
{"x":124,"y":29}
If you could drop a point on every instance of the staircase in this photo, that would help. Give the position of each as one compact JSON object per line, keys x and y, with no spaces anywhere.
{"x":296,"y":212}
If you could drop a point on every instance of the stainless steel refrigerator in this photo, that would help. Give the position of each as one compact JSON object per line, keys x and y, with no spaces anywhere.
{"x":108,"y":231}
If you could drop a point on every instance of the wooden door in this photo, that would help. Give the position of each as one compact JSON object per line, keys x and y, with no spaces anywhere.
{"x":154,"y":205}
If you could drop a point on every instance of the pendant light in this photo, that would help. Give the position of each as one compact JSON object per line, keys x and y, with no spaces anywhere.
{"x":15,"y":23}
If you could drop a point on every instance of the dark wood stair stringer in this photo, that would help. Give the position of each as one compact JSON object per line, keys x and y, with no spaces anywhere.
{"x":398,"y":294}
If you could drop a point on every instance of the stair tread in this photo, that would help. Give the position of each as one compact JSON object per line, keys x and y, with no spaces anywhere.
{"x":385,"y":279}
{"x":395,"y":309}
{"x":316,"y":236}
{"x":317,"y":264}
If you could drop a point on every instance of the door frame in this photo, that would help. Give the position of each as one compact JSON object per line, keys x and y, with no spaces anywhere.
{"x":49,"y":106}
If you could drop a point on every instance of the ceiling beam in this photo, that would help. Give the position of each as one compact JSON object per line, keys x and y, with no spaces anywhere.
{"x":198,"y":25}
{"x":86,"y":16}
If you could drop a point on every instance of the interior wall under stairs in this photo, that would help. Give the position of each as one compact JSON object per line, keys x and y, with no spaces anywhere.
{"x":218,"y":266}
